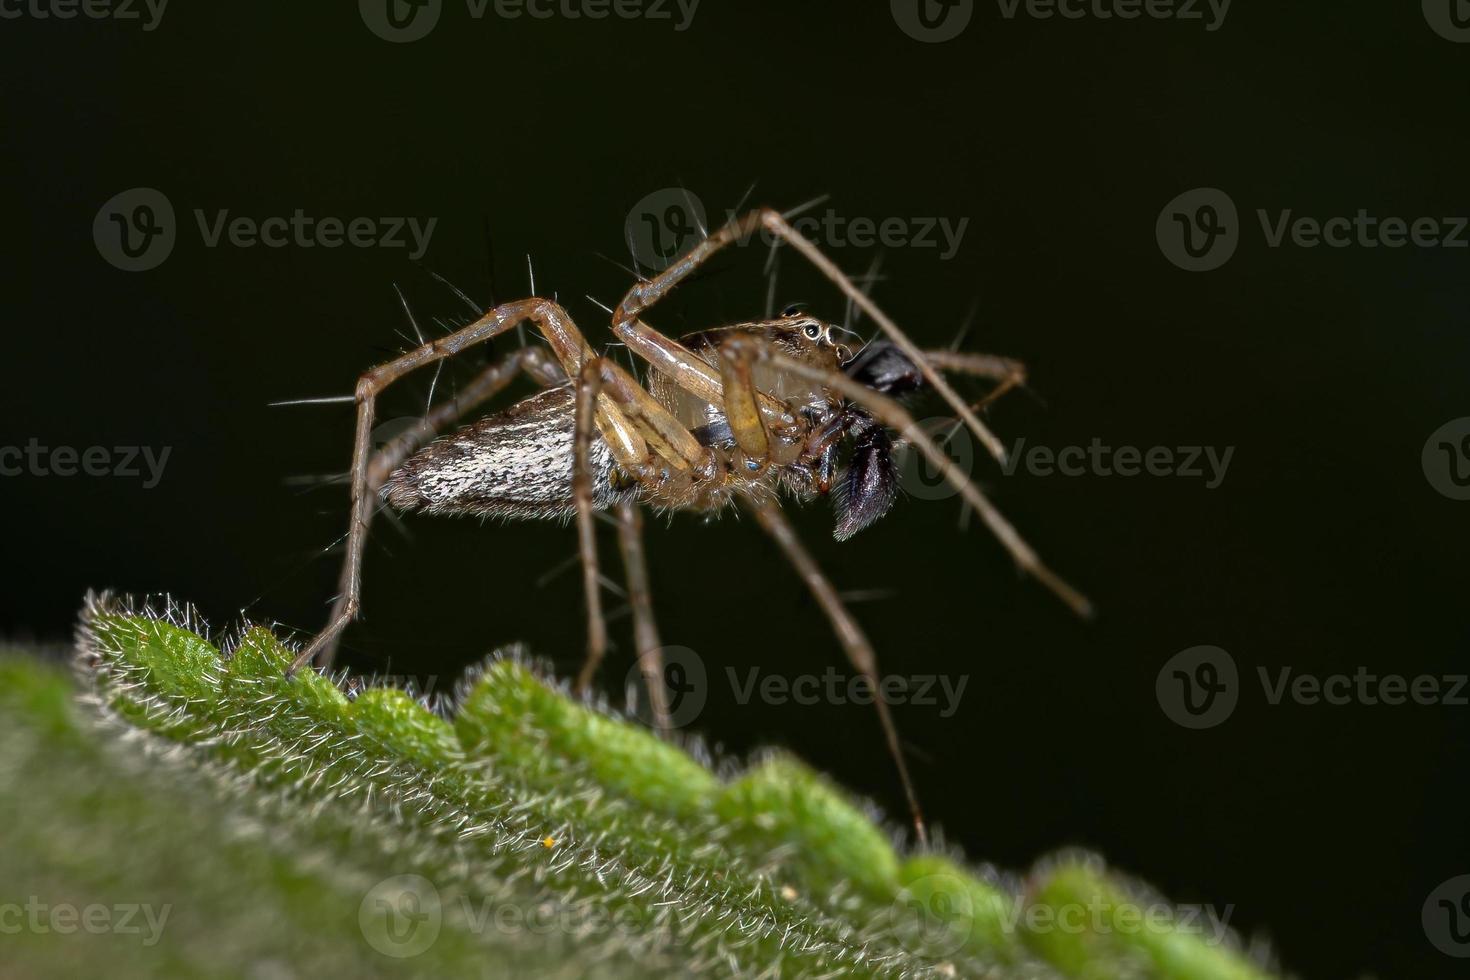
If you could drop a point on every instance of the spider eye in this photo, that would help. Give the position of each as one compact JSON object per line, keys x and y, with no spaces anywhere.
{"x":793,"y":310}
{"x":812,"y":331}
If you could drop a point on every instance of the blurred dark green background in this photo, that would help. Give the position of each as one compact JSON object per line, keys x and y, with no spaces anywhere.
{"x":1325,"y":548}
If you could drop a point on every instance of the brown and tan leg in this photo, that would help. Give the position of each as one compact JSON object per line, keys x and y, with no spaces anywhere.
{"x":640,"y":598}
{"x":854,"y":641}
{"x":740,"y":402}
{"x":533,"y":361}
{"x":571,"y":350}
{"x":589,"y":386}
{"x":1007,"y":372}
{"x":687,"y":460}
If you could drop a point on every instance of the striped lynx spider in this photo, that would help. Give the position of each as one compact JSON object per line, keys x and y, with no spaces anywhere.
{"x":743,"y":414}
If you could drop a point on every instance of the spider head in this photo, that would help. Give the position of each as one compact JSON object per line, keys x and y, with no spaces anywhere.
{"x":807,"y":338}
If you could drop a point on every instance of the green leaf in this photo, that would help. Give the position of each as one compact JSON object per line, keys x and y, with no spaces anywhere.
{"x":286,"y":826}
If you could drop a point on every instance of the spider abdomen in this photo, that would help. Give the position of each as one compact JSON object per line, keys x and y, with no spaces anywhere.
{"x":515,"y":463}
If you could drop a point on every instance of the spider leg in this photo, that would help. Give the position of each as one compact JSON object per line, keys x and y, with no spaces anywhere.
{"x":589,"y":386}
{"x":640,"y":597}
{"x":1008,"y":372}
{"x":850,"y":634}
{"x":571,"y":350}
{"x":742,"y":410}
{"x":687,"y":461}
{"x":491,"y":381}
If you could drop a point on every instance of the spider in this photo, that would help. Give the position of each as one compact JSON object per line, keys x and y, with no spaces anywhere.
{"x":738,"y":414}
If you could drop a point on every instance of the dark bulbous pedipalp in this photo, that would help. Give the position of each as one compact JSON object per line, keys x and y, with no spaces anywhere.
{"x":866,"y":489}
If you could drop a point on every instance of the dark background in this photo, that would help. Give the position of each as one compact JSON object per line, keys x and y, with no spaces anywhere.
{"x":1325,"y":548}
